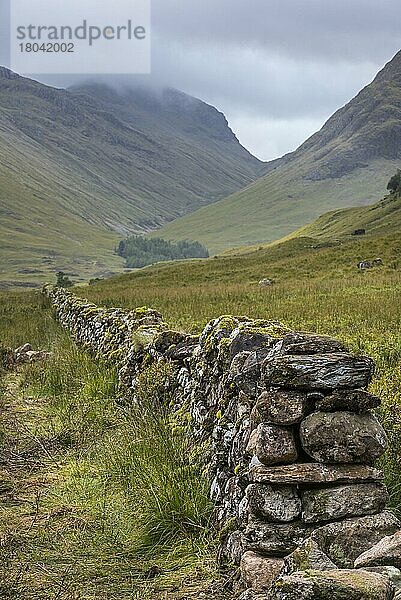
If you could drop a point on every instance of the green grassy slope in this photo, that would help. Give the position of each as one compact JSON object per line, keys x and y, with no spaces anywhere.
{"x":347,"y":163}
{"x":379,"y":219}
{"x":81,"y":168}
{"x":277,"y":205}
{"x":189,"y":293}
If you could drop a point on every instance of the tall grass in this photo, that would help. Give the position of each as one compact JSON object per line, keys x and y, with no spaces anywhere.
{"x":127,"y":492}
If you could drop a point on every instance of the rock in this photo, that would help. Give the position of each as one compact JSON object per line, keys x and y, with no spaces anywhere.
{"x":344,"y":541}
{"x":272,"y":445}
{"x":23,"y":349}
{"x":386,"y":552}
{"x":309,"y":343}
{"x":331,"y":504}
{"x":349,"y":400}
{"x":263,"y":283}
{"x":280,"y":407}
{"x":318,"y":371}
{"x":339,"y":584}
{"x":277,"y":504}
{"x":252,"y":595}
{"x":392,"y":573}
{"x":305,"y":557}
{"x":245,"y":370}
{"x":311,"y":473}
{"x":273,"y":539}
{"x":247,"y":341}
{"x":232,"y":548}
{"x":259,"y":572}
{"x":343,"y":437}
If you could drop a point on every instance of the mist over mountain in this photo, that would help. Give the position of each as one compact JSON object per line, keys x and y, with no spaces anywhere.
{"x":84,"y":166}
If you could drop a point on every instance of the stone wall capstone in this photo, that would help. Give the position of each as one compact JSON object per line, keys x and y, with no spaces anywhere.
{"x":288,"y":443}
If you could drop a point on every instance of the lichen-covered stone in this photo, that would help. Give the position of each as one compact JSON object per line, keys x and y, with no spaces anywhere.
{"x":338,"y":584}
{"x":314,"y":473}
{"x":274,"y":539}
{"x":310,"y":343}
{"x":318,"y":371}
{"x":349,"y":400}
{"x":272,"y":444}
{"x":258,"y":572}
{"x":385,"y":552}
{"x":392,"y":573}
{"x":343,"y":437}
{"x":232,"y":548}
{"x":274,"y":503}
{"x":330,"y":504}
{"x":252,"y":595}
{"x":281,"y":407}
{"x":308,"y":556}
{"x":344,"y":541}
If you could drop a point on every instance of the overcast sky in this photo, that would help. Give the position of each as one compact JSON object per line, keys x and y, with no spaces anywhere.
{"x":277,"y":68}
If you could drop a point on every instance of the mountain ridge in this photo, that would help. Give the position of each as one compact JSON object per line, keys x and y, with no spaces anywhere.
{"x":348,"y":162}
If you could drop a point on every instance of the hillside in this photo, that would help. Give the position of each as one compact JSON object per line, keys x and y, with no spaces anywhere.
{"x":347,"y":163}
{"x":82,"y":167}
{"x":379,"y":219}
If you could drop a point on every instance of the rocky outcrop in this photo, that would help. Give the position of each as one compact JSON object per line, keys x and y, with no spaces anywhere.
{"x":282,"y":424}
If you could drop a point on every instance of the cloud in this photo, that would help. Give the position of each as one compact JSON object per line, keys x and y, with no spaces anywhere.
{"x":277,"y":68}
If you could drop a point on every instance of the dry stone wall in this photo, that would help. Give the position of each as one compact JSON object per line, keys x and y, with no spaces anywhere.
{"x":284,"y":423}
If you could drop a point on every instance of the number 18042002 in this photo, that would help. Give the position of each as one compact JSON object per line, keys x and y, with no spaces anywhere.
{"x":47,"y":47}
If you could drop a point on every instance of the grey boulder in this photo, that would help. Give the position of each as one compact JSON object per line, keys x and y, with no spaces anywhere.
{"x":386,"y":552}
{"x":330,"y":504}
{"x":272,"y":445}
{"x":258,"y":572}
{"x":274,"y":503}
{"x":318,"y":371}
{"x":345,"y":540}
{"x":308,"y":556}
{"x":281,"y":407}
{"x":343,"y":437}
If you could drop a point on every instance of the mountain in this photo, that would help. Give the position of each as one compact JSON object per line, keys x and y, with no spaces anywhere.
{"x":347,"y":163}
{"x":82,"y":167}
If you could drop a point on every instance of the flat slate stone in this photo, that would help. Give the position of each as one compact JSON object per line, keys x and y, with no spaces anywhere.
{"x":318,"y":371}
{"x":311,"y":473}
{"x":349,"y":400}
{"x":345,"y":540}
{"x":333,"y":503}
{"x":310,"y":343}
{"x":343,"y":437}
{"x":339,"y":584}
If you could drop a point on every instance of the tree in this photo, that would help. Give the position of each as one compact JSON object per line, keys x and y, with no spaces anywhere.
{"x":394,"y":185}
{"x":63,"y":280}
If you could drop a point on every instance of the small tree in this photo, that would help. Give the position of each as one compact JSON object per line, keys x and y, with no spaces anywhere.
{"x":394,"y":185}
{"x":63,"y":280}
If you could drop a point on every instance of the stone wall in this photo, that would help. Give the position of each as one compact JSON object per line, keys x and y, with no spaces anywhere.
{"x":288,"y":441}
